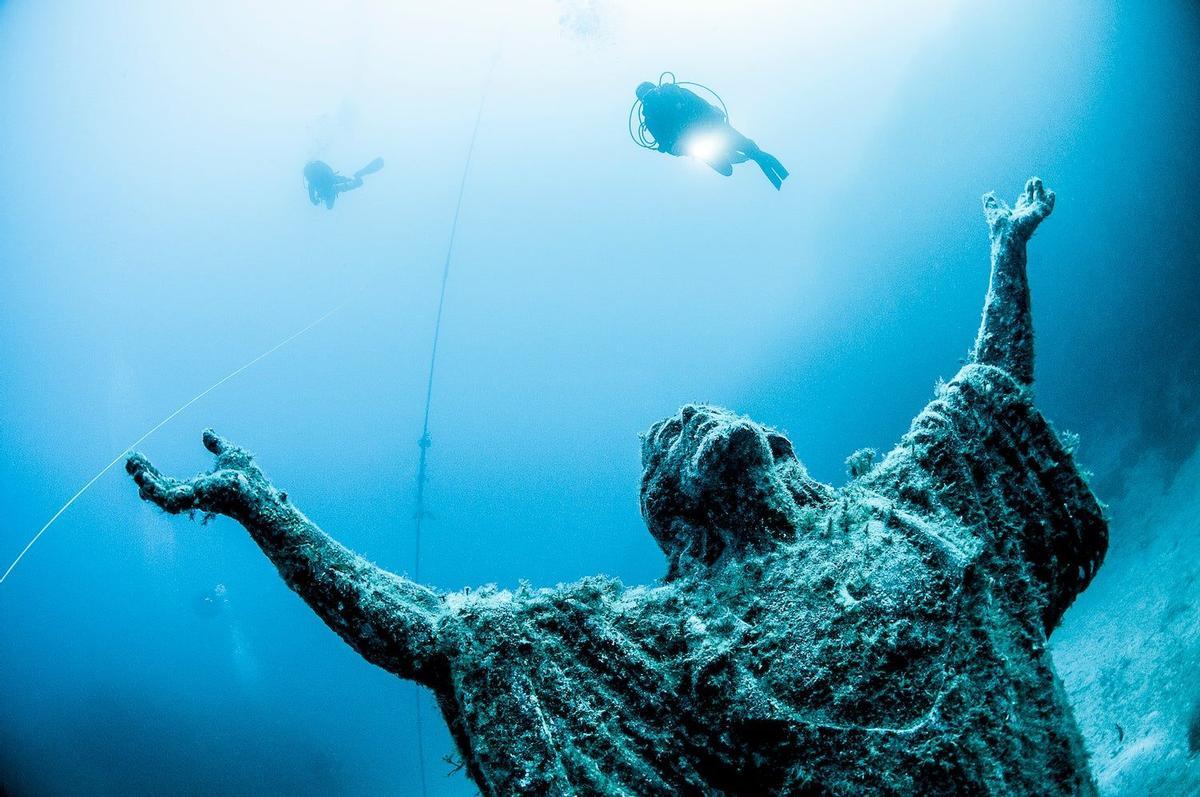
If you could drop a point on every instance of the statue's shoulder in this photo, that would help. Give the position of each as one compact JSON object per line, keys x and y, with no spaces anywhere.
{"x":986,"y":386}
{"x":976,"y":396}
{"x":982,"y":468}
{"x":599,"y":598}
{"x":956,"y":442}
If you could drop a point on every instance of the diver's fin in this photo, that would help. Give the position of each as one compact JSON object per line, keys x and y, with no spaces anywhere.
{"x":776,"y":179}
{"x":772,"y":168}
{"x":776,"y":166}
{"x":370,"y":168}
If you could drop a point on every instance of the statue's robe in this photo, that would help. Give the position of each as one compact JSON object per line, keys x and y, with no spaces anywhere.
{"x":897,"y":646}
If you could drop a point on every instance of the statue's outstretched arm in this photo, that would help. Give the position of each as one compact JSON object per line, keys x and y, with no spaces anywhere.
{"x":1005,"y":337}
{"x":389,"y":620}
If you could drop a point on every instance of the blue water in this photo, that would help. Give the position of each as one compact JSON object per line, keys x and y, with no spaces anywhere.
{"x":155,"y":235}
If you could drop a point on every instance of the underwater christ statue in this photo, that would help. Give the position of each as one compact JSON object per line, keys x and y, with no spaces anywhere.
{"x":889,"y":636}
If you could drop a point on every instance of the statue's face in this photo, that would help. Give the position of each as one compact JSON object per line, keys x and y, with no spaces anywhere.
{"x":713,"y":481}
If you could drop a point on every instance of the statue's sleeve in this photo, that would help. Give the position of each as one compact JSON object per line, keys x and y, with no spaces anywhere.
{"x":573,"y":690}
{"x":981,"y":457}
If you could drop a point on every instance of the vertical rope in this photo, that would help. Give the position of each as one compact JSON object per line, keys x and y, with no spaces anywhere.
{"x":426,"y":441}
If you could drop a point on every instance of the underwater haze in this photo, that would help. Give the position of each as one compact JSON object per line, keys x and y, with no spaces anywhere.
{"x":155,"y":235}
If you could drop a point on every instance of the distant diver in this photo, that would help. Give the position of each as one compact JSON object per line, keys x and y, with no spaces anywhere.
{"x":680,"y":122}
{"x":324,"y":184}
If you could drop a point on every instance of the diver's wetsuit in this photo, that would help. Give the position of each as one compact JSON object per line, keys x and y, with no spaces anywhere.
{"x":671,"y":111}
{"x":676,"y":116}
{"x":324,"y":184}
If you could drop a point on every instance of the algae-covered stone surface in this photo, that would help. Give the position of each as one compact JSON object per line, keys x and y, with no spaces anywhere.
{"x":886,"y":637}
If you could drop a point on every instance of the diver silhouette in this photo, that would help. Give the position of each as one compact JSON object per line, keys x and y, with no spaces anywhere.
{"x":324,"y":184}
{"x":684,"y":123}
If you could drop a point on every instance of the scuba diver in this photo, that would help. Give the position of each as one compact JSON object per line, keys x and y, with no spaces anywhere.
{"x":681,"y":122}
{"x":324,"y":184}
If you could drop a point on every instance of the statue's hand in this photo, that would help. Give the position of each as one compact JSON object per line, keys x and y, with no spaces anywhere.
{"x":234,"y":485}
{"x":1034,"y":204}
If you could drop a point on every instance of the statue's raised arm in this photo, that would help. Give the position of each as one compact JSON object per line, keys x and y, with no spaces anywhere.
{"x":389,"y":620}
{"x":981,"y":449}
{"x":1005,"y":337}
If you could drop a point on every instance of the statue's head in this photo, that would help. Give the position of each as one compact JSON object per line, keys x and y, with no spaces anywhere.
{"x":715,"y":484}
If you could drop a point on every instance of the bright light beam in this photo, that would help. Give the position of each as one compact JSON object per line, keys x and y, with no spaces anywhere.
{"x":705,"y":146}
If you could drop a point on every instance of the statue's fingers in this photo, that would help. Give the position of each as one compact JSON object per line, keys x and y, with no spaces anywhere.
{"x":1047,"y":203}
{"x":137,"y":466}
{"x":170,"y":495}
{"x":1037,"y":198}
{"x":154,"y":486}
{"x":215,"y":443}
{"x":995,"y":211}
{"x":229,"y":454}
